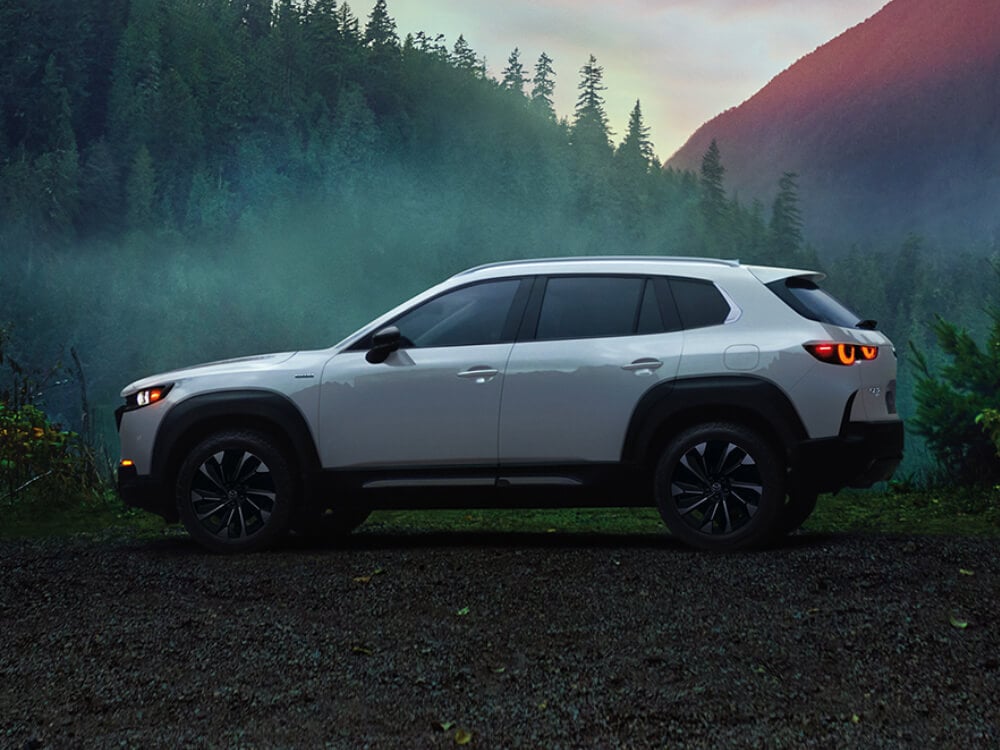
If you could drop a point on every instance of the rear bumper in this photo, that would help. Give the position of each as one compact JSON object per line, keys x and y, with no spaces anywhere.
{"x":863,"y":454}
{"x":145,"y":492}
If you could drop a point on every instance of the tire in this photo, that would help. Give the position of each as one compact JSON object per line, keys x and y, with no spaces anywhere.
{"x":794,"y":513}
{"x":235,"y":492}
{"x":720,"y":486}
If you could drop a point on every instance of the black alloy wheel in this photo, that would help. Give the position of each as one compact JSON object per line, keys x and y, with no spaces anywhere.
{"x":235,"y":491}
{"x":720,"y":486}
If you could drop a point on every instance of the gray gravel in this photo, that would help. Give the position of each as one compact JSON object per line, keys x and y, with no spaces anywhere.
{"x":512,"y":640}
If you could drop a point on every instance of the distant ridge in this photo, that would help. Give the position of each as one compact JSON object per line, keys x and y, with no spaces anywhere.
{"x":893,"y":126}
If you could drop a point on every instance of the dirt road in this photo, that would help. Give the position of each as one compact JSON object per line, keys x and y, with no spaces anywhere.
{"x":501,"y":640}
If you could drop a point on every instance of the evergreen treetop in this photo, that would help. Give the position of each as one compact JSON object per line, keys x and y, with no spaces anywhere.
{"x":514,"y":78}
{"x":543,"y":86}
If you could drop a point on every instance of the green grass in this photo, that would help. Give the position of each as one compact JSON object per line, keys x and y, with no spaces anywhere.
{"x":952,"y":511}
{"x":38,"y":516}
{"x":960,"y":511}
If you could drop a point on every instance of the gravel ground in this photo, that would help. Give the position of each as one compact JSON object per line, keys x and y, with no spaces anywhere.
{"x":501,"y":641}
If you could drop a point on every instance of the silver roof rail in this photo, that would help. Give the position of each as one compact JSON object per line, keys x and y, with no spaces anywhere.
{"x":732,"y":263}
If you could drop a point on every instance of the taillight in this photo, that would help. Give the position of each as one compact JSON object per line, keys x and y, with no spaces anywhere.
{"x":841,"y":354}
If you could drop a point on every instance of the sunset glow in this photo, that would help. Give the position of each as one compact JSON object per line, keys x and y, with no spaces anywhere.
{"x":686,"y":60}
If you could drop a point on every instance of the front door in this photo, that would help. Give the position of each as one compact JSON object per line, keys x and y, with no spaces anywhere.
{"x":435,"y":402}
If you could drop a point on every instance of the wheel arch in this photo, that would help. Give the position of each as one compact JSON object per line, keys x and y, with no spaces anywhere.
{"x":671,"y":407}
{"x":194,"y":419}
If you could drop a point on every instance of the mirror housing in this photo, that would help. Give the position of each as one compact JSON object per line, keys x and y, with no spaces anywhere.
{"x":384,"y":342}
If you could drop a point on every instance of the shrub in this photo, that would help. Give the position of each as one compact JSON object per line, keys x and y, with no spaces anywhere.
{"x":32,"y":449}
{"x":37,"y":456}
{"x":990,"y":421}
{"x":950,"y":404}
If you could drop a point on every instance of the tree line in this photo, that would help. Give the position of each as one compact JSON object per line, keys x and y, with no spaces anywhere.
{"x":190,"y":116}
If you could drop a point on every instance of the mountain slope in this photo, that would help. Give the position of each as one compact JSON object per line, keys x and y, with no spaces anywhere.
{"x":893,"y":126}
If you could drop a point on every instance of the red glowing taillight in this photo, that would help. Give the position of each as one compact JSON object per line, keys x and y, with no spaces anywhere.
{"x":841,"y":354}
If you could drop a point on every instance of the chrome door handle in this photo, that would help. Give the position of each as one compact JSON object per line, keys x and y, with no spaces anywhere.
{"x":481,"y":374}
{"x":644,"y":364}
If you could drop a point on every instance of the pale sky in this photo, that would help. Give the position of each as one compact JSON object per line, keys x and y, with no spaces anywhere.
{"x":686,"y":60}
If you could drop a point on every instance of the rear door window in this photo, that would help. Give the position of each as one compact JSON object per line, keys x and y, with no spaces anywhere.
{"x":579,"y":307}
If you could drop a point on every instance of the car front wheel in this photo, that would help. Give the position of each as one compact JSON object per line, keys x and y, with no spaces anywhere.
{"x":720,"y":486}
{"x":235,"y":491}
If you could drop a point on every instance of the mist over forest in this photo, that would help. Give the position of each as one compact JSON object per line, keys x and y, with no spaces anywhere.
{"x":188,"y":180}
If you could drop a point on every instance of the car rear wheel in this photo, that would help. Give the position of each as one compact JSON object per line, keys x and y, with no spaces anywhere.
{"x":720,"y":486}
{"x":235,"y":491}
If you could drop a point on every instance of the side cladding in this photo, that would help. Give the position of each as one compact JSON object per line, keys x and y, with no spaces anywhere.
{"x":191,"y":420}
{"x":673,"y":406}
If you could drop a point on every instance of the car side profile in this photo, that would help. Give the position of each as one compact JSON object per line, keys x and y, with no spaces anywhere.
{"x":727,"y":395}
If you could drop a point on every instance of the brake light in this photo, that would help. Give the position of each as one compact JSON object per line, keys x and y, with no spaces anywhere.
{"x":842,"y":354}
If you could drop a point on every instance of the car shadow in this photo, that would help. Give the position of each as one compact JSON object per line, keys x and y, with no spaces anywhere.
{"x":178,"y":543}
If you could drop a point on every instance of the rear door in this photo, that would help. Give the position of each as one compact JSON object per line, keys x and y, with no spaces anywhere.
{"x":590,"y":348}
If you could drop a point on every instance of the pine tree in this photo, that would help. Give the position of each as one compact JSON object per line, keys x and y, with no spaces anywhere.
{"x":786,"y":220}
{"x":380,"y":31}
{"x":463,"y":57}
{"x":348,"y":24}
{"x":636,"y":150}
{"x":328,"y":47}
{"x":590,"y":125}
{"x":713,"y":195}
{"x":513,"y":75}
{"x":140,"y":190}
{"x":542,"y":87}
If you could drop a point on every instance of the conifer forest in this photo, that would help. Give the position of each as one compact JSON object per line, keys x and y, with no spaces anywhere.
{"x":189,"y":180}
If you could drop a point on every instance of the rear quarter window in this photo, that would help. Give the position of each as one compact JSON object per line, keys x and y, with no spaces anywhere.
{"x":699,"y":303}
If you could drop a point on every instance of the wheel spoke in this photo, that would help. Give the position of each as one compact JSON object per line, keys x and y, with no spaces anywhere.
{"x":694,"y":461}
{"x":222,"y":529}
{"x":212,"y":471}
{"x":729,"y":521}
{"x":749,"y":506}
{"x":684,"y":510}
{"x":215,"y":509}
{"x":249,"y":466}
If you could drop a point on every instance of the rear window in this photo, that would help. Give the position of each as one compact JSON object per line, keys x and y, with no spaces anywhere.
{"x":809,"y":301}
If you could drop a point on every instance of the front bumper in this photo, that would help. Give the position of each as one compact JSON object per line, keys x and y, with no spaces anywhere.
{"x":146,"y":493}
{"x":864,"y":453}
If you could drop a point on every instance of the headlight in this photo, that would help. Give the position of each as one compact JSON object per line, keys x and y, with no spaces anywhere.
{"x":147,"y":396}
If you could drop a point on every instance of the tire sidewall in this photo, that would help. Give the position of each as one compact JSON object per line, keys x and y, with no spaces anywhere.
{"x":759,"y":530}
{"x":277,"y":463}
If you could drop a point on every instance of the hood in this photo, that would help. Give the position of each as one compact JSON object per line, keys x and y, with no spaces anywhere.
{"x":238,"y":364}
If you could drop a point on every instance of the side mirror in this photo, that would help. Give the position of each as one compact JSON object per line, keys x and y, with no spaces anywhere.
{"x":384,"y":342}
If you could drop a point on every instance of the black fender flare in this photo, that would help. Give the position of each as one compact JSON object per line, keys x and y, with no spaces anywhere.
{"x":671,"y":406}
{"x":197,"y":416}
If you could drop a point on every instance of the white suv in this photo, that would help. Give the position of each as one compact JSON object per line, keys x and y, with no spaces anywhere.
{"x":728,"y":395}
